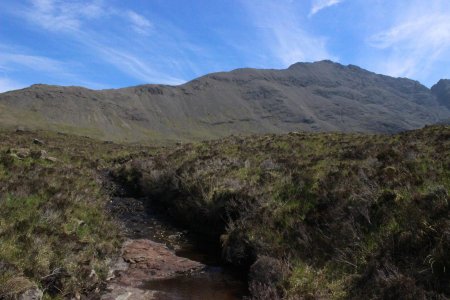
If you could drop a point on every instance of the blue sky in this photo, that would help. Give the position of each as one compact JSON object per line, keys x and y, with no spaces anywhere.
{"x":110,"y":43}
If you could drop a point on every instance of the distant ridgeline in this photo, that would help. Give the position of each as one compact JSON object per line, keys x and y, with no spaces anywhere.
{"x":321,"y":96}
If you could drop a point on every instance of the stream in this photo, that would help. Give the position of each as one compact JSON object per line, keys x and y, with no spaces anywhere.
{"x":211,"y":281}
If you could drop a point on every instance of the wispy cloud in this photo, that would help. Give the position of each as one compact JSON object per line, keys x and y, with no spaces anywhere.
{"x":113,"y":47}
{"x":416,"y":42}
{"x":139,"y":23}
{"x":284,"y":32}
{"x":15,"y":60}
{"x":57,"y":15}
{"x":35,"y":62}
{"x":318,"y":5}
{"x":135,"y":67}
{"x":8,"y":85}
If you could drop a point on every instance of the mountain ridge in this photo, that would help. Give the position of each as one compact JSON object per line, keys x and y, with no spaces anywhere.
{"x":320,"y":96}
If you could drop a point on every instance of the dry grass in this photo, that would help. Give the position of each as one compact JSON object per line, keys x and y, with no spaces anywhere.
{"x":352,"y":215}
{"x":345,"y":215}
{"x":53,"y":227}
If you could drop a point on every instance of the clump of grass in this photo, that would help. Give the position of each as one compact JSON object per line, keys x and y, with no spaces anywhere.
{"x":314,"y":283}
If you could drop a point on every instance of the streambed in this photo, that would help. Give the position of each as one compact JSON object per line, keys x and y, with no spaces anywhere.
{"x":190,"y":268}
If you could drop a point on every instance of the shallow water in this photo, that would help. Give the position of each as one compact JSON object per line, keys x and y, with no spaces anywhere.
{"x":215,"y":282}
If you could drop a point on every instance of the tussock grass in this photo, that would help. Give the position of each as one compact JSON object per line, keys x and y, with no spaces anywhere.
{"x":350,"y":215}
{"x":340,"y":216}
{"x":54,"y":230}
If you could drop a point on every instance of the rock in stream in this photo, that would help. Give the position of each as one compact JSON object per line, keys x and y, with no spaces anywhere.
{"x":141,"y":261}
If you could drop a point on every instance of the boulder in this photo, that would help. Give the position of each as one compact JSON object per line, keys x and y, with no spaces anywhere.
{"x":267,"y":271}
{"x":37,"y":154}
{"x":143,"y":260}
{"x":265,"y":276}
{"x":31,"y":294}
{"x":156,"y":259}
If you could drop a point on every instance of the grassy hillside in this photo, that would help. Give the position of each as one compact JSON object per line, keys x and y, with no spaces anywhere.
{"x":54,"y":230}
{"x":310,"y":215}
{"x":317,"y":215}
{"x":318,"y":97}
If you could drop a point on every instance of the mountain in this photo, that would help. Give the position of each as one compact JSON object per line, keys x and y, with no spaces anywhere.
{"x":320,"y":96}
{"x":442,"y":92}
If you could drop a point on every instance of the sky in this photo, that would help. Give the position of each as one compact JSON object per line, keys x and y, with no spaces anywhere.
{"x":110,"y":43}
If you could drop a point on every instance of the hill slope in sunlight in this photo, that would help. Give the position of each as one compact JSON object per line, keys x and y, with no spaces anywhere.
{"x":321,"y":96}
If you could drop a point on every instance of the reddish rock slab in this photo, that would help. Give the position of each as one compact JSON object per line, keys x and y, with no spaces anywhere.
{"x":129,"y":293}
{"x":141,"y":261}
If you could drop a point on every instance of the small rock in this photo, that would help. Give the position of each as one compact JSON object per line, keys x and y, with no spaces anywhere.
{"x":21,"y":129}
{"x":80,"y":222}
{"x":31,"y":294}
{"x":129,"y":293}
{"x":172,"y":237}
{"x":38,"y":142}
{"x":39,"y":154}
{"x":20,"y":153}
{"x":93,"y":275}
{"x":248,"y":164}
{"x":51,"y":159}
{"x":269,"y":165}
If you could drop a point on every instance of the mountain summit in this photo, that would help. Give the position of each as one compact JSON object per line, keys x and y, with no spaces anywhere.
{"x":320,"y":96}
{"x":442,"y":92}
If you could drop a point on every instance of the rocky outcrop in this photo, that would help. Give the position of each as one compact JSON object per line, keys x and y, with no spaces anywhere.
{"x":141,"y":261}
{"x":442,"y":92}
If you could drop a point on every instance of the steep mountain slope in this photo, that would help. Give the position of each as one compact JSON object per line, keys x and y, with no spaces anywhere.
{"x":321,"y":96}
{"x":442,"y":92}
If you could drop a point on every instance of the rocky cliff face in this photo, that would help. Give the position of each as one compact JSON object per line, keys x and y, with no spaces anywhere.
{"x":441,"y":91}
{"x":321,"y":96}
